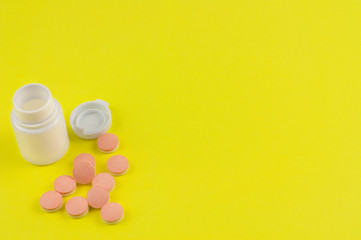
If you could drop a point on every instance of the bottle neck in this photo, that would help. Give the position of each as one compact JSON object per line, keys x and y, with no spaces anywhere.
{"x":33,"y":104}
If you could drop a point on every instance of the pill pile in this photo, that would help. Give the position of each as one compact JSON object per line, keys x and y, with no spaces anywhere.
{"x":84,"y":173}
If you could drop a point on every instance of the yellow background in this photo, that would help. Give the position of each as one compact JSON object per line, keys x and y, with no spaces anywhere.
{"x":242,"y":119}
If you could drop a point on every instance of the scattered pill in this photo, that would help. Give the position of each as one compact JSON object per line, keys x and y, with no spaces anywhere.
{"x":97,"y":197}
{"x":107,"y":142}
{"x":117,"y":165}
{"x":65,"y":185}
{"x":76,"y":207}
{"x":51,"y":201}
{"x":84,"y":157}
{"x":83,"y":172}
{"x":112,"y":213}
{"x":104,"y":180}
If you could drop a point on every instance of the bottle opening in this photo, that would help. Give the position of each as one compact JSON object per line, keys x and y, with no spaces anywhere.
{"x":31,"y":98}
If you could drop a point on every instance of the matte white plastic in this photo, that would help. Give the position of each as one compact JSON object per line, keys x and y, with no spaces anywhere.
{"x":91,"y":119}
{"x":38,"y":124}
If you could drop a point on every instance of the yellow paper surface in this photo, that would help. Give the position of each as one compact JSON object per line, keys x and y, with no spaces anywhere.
{"x":241,"y":119}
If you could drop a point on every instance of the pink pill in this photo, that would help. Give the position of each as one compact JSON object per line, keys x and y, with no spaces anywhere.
{"x":84,"y":157}
{"x":65,"y":185}
{"x":107,"y":142}
{"x":83,"y":172}
{"x":117,"y":165}
{"x":104,"y":180}
{"x":76,"y":207}
{"x":97,"y":197}
{"x":51,"y":201}
{"x":112,"y":213}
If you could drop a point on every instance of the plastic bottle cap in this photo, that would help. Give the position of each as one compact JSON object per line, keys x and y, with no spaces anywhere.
{"x":91,"y":119}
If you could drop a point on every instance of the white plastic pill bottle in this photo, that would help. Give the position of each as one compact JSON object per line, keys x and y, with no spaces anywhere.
{"x":38,"y":124}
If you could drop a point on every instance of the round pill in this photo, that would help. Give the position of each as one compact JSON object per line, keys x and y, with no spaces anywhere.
{"x":104,"y":180}
{"x":97,"y":197}
{"x":107,"y":142}
{"x":76,"y":207}
{"x":51,"y":201}
{"x":83,"y":172}
{"x":112,"y":213}
{"x":65,"y":185}
{"x":117,"y":165}
{"x":84,"y":157}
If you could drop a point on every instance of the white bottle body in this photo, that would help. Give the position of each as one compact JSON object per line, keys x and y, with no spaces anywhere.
{"x":40,"y":130}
